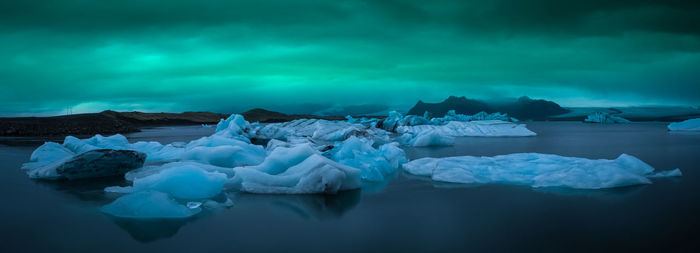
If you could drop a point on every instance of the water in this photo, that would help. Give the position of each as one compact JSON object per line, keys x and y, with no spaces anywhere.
{"x":409,"y":214}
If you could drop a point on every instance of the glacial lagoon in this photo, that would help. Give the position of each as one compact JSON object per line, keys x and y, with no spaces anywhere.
{"x":406,"y":213}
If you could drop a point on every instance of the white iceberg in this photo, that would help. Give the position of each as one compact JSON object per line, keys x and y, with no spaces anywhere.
{"x":148,"y":205}
{"x":375,"y":164}
{"x":687,"y":125}
{"x":434,"y":137}
{"x":396,"y":119}
{"x":315,"y":174}
{"x":538,"y":170}
{"x":318,"y":129}
{"x":470,"y":128}
{"x":605,"y":118}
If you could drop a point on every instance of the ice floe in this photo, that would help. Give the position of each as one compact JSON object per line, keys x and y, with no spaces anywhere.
{"x":538,"y":170}
{"x":375,"y":164}
{"x":687,"y":125}
{"x":605,"y":118}
{"x":315,"y":174}
{"x":187,"y":181}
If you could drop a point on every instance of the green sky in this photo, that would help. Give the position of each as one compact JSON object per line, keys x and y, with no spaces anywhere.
{"x":229,"y":56}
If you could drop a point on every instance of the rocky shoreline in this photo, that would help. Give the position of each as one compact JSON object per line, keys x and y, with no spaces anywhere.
{"x":106,"y":122}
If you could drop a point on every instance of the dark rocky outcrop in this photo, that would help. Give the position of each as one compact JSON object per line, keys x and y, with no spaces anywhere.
{"x":101,"y":163}
{"x":523,"y":108}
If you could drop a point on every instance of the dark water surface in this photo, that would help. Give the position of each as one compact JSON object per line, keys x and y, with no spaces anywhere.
{"x":409,"y":214}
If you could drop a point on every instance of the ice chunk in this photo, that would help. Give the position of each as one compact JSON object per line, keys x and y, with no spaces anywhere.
{"x":186,"y":181}
{"x":316,"y":174}
{"x":226,"y":156}
{"x":605,"y":118}
{"x":470,"y":128}
{"x":434,"y":137}
{"x":667,"y":173}
{"x":193,"y":204}
{"x":148,"y":205}
{"x":94,"y":163}
{"x":318,"y":129}
{"x":375,"y":164}
{"x":395,"y":119}
{"x":688,"y":125}
{"x":234,"y":125}
{"x":536,"y":170}
{"x":281,"y":158}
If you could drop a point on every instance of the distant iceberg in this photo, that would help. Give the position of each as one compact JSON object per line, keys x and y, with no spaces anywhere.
{"x":605,"y":118}
{"x":419,"y":131}
{"x":688,"y":125}
{"x":538,"y":170}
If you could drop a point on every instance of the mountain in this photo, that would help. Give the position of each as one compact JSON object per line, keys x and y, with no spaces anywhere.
{"x":461,"y":105}
{"x":524,"y":108}
{"x":266,"y":116}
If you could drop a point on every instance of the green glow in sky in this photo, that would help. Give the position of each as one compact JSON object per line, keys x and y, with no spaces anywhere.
{"x":229,"y":56}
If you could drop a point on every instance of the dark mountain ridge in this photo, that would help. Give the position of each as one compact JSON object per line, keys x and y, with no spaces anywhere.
{"x":524,"y":108}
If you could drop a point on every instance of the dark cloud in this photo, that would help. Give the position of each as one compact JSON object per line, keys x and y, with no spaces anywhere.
{"x":147,"y":54}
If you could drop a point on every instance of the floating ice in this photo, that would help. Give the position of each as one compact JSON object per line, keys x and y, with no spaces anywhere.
{"x":148,"y":205}
{"x":688,"y":125}
{"x":605,"y":118}
{"x":395,"y":119}
{"x":315,"y":174}
{"x":318,"y":129}
{"x":375,"y":164}
{"x":183,"y":182}
{"x":434,"y":137}
{"x":538,"y":170}
{"x":90,"y":164}
{"x":470,"y":128}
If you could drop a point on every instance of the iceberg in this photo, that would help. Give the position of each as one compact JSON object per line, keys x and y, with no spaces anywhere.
{"x":94,"y":163}
{"x":318,"y":129}
{"x":687,"y":125}
{"x":374,"y":164}
{"x":149,"y":205}
{"x":605,"y":118}
{"x":186,"y":181}
{"x":434,"y":137}
{"x":315,"y":174}
{"x":538,"y":170}
{"x":396,"y":119}
{"x":470,"y":128}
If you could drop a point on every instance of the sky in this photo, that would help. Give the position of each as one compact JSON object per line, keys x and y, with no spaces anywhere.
{"x":230,"y":56}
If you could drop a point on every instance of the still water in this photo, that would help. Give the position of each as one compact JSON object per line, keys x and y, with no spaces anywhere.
{"x":408,"y":214}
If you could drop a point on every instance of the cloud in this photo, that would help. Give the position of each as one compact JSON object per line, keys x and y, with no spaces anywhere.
{"x":229,"y":56}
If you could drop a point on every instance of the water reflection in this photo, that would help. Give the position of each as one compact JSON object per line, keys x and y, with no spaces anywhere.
{"x":308,"y":207}
{"x":311,"y":207}
{"x":149,"y":230}
{"x":609,"y":193}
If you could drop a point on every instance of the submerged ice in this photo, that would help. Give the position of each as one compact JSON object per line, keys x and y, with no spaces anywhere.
{"x":538,"y":170}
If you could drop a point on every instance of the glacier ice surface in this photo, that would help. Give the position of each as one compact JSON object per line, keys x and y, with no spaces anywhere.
{"x":538,"y":170}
